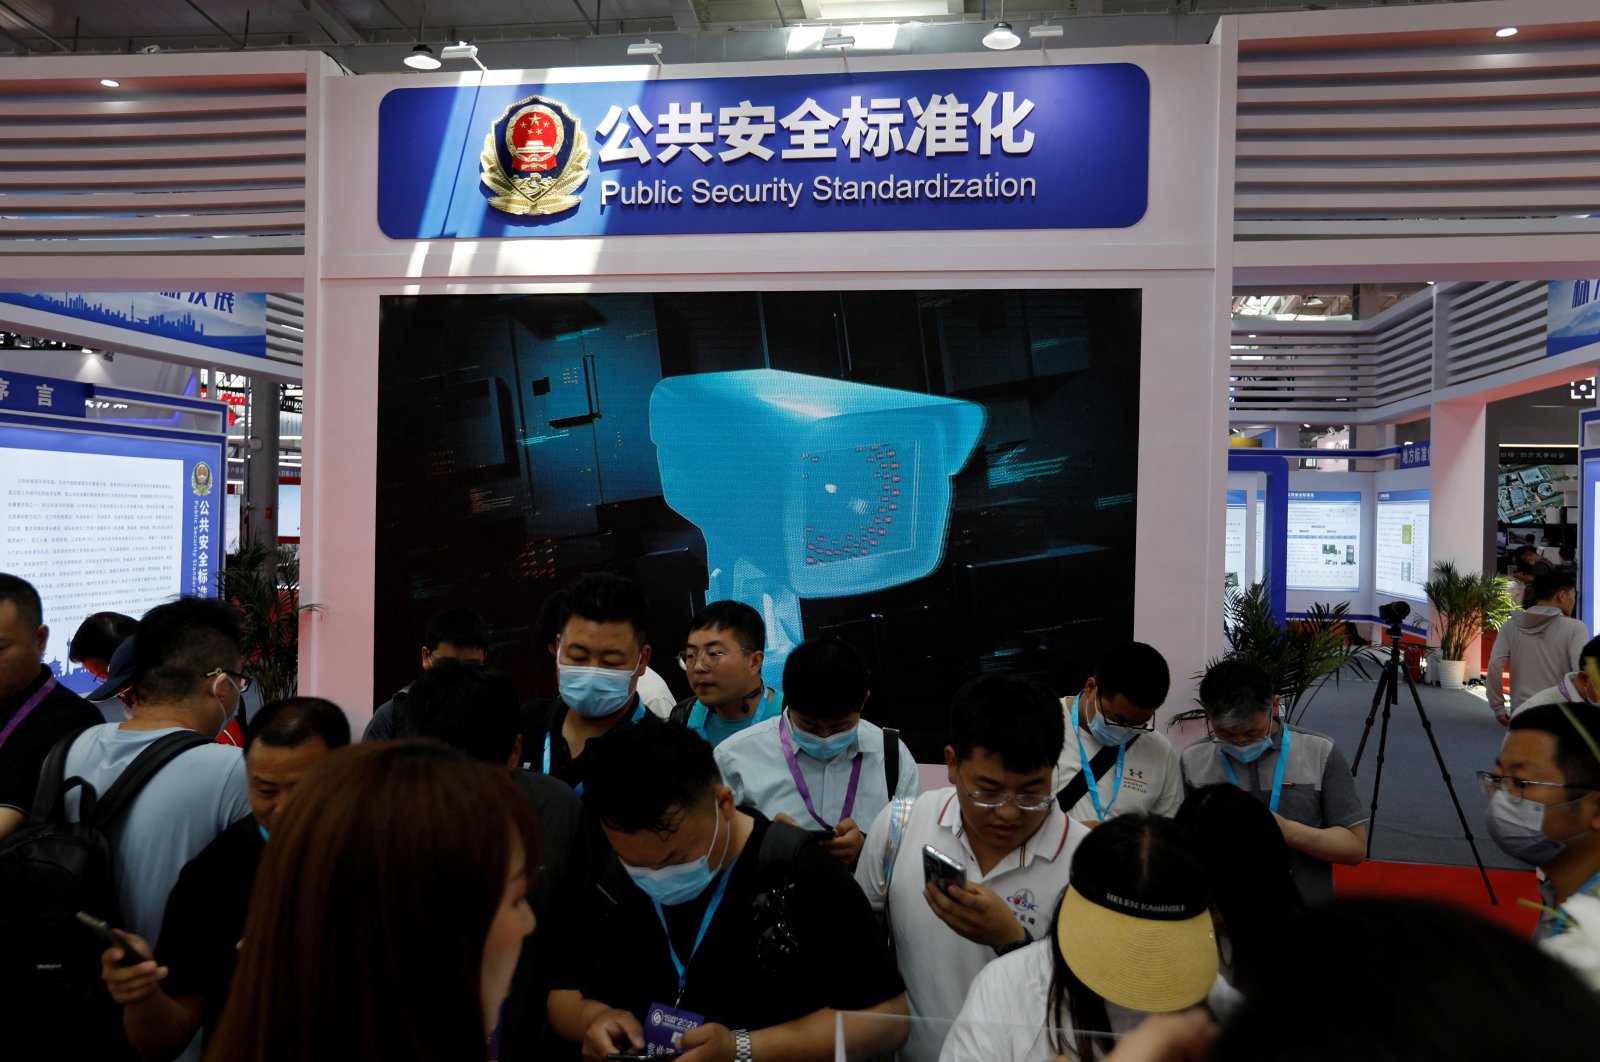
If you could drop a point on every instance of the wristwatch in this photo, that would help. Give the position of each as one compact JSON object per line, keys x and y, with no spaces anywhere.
{"x":741,"y":1046}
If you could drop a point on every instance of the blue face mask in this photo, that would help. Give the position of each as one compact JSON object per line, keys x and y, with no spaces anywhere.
{"x":682,"y":882}
{"x":1110,"y":733}
{"x":594,"y":692}
{"x":1248,"y":753}
{"x":820,"y":748}
{"x":264,"y":835}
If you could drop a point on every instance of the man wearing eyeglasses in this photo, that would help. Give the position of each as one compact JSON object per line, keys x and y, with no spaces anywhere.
{"x":727,"y":642}
{"x":187,"y":675}
{"x":1544,"y":802}
{"x":1000,"y":822}
{"x":1300,"y":775}
{"x":1112,"y":740}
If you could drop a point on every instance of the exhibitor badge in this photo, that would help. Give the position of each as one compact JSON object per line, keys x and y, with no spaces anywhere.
{"x":535,"y":159}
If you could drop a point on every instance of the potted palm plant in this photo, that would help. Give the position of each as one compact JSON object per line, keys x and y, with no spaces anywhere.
{"x":1466,"y":605}
{"x":264,"y":583}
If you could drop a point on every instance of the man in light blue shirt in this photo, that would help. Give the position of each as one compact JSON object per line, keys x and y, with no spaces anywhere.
{"x":186,"y":675}
{"x":818,"y":764}
{"x":726,"y":645}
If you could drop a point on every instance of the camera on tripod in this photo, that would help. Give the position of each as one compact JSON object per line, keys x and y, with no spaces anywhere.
{"x":1394,"y":612}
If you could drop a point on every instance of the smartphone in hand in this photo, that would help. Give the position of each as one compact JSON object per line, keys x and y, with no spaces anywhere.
{"x":939,"y":869}
{"x":104,"y":932}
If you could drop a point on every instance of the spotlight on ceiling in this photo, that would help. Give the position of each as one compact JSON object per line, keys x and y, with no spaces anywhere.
{"x":645,"y":47}
{"x":840,"y":41}
{"x":1508,"y":31}
{"x":110,"y":82}
{"x":1047,"y":30}
{"x":422,"y":58}
{"x":1001,"y":38}
{"x":463,"y":50}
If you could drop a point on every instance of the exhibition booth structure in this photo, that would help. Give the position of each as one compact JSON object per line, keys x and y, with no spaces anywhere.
{"x":931,"y":352}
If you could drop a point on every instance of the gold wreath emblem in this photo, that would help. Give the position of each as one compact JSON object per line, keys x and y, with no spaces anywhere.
{"x":536,"y":194}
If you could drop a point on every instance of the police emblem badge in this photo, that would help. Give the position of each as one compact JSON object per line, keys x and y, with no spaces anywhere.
{"x":200,"y":479}
{"x":535,"y":158}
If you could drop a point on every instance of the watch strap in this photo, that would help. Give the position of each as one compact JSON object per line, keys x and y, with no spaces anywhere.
{"x":741,"y":1046}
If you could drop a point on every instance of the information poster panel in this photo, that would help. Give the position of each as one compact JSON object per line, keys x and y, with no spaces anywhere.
{"x":107,"y":522}
{"x":1261,"y":536}
{"x":1324,"y":540}
{"x":1401,"y":557}
{"x":1233,"y":540}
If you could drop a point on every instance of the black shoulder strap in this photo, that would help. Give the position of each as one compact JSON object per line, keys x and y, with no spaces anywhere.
{"x":140,"y":771}
{"x":680,"y":711}
{"x":1075,"y":790}
{"x":781,"y":845}
{"x":891,"y":759}
{"x":52,"y":781}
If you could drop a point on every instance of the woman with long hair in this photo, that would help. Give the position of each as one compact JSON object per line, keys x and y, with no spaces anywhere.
{"x":388,"y":913}
{"x":1131,"y":936}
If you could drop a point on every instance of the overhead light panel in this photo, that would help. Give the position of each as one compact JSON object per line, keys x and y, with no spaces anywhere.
{"x":840,"y":41}
{"x":422,"y":58}
{"x":1036,"y":32}
{"x":644,"y":47}
{"x":110,"y":82}
{"x":463,"y":50}
{"x":1508,"y":31}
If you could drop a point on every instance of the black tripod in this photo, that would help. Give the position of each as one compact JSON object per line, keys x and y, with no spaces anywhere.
{"x":1389,"y":694}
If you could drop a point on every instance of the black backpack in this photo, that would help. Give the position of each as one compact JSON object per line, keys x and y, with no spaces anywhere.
{"x":49,"y":870}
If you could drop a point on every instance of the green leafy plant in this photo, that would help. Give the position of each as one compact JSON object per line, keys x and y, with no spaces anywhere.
{"x":264,"y":584}
{"x":1467,"y":605}
{"x":1300,"y":657}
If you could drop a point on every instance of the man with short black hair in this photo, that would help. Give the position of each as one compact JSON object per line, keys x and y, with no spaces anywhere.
{"x":1541,"y":644}
{"x":1574,"y":685}
{"x":653,"y":689}
{"x":1300,"y":775}
{"x":453,"y":634}
{"x":718,"y":934}
{"x":1544,"y":802}
{"x":1112,"y":739}
{"x":36,"y":711}
{"x":999,"y":821}
{"x":819,"y":765}
{"x":602,"y":651}
{"x":187,"y":675}
{"x":97,"y":637}
{"x":474,"y":708}
{"x":164,"y":1005}
{"x":723,"y":657}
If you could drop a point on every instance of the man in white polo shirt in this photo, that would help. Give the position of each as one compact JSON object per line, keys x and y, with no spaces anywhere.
{"x":1111,"y":737}
{"x":1000,"y":821}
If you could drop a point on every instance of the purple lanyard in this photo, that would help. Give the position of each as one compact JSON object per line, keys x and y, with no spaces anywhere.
{"x":805,"y":790}
{"x":32,"y":702}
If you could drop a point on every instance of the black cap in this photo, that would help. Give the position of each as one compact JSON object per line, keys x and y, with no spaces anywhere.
{"x":119,"y":674}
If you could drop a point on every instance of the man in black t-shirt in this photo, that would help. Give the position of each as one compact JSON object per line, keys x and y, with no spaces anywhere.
{"x":35,"y":710}
{"x":717,"y":933}
{"x":164,"y":1005}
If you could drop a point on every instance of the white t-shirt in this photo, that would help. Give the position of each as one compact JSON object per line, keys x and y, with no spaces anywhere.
{"x":655,"y":693}
{"x":1151,"y":781}
{"x":938,"y":964}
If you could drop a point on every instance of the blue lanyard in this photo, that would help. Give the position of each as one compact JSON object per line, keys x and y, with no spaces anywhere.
{"x":1094,"y":783}
{"x":1277,"y":776}
{"x":705,"y":924}
{"x":549,"y":735}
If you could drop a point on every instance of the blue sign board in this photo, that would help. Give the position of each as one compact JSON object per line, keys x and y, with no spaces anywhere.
{"x":223,"y":320}
{"x":1415,"y":455}
{"x":41,"y":394}
{"x":1044,"y":147}
{"x":1572,"y":316}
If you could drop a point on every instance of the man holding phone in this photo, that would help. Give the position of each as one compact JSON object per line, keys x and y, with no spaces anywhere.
{"x":820,"y":766}
{"x":717,"y":935}
{"x":974,"y":870}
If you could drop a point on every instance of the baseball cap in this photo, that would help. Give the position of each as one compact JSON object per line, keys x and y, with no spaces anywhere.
{"x":1138,"y":939}
{"x":119,"y":674}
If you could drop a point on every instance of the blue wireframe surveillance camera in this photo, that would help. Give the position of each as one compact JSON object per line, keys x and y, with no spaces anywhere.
{"x":808,"y":487}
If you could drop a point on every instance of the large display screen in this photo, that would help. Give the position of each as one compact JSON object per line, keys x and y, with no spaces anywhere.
{"x":102,"y":522}
{"x":946,"y":480}
{"x":1323,"y":540}
{"x":1402,"y":559}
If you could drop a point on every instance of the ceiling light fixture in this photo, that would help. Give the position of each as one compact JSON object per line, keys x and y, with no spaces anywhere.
{"x":1046,"y":32}
{"x":1508,"y":31}
{"x":840,"y":41}
{"x":422,"y":58}
{"x":1002,"y":37}
{"x":110,"y":82}
{"x":647,"y":47}
{"x":463,"y":50}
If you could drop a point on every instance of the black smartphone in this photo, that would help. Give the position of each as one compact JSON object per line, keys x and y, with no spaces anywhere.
{"x":103,"y":931}
{"x":939,"y":869}
{"x":628,"y":1056}
{"x":823,"y":836}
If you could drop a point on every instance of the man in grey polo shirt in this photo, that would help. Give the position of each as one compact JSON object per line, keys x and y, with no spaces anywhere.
{"x":1299,"y":774}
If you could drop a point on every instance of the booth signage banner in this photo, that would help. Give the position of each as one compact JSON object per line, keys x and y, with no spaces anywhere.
{"x":1415,"y":455}
{"x":40,"y":394}
{"x":1573,"y":315}
{"x":234,"y":321}
{"x":1046,"y":147}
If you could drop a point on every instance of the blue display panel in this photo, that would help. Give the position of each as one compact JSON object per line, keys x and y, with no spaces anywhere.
{"x":1037,"y":147}
{"x":1323,"y":540}
{"x":1402,"y":556}
{"x":112,"y":520}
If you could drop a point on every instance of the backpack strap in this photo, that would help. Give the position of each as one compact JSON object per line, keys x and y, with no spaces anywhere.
{"x":1076,"y":789}
{"x":140,"y":771}
{"x":891,"y":760}
{"x":680,"y":711}
{"x":53,"y":783}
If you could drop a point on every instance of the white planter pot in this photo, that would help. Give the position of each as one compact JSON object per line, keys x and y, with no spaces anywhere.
{"x":1452,"y":673}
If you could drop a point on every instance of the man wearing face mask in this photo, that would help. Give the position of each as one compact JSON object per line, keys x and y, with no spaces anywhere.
{"x":1112,"y":739}
{"x":1544,"y":801}
{"x":721,"y":935}
{"x":601,"y":654}
{"x":1300,"y":775}
{"x":187,"y":675}
{"x":819,"y":765}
